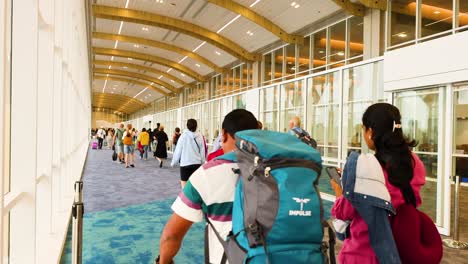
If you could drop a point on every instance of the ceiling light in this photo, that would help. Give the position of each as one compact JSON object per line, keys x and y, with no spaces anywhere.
{"x":297,"y":6}
{"x":126,"y":4}
{"x":293,"y":3}
{"x":340,"y":53}
{"x":218,"y":53}
{"x":129,"y":59}
{"x":136,"y":46}
{"x":228,"y":23}
{"x":402,"y":35}
{"x":321,"y":51}
{"x":152,"y":83}
{"x":160,"y":77}
{"x":125,"y":67}
{"x":436,"y":12}
{"x":113,"y":88}
{"x":183,"y":75}
{"x":116,"y":43}
{"x":170,"y":69}
{"x":184,"y":58}
{"x":149,"y":94}
{"x":144,"y":28}
{"x":172,"y":81}
{"x":250,"y":33}
{"x":198,"y":65}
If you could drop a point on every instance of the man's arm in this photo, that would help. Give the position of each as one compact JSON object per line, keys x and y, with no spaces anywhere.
{"x":172,"y":237}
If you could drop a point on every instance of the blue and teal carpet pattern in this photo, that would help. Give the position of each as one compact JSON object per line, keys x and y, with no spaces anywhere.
{"x":126,"y":210}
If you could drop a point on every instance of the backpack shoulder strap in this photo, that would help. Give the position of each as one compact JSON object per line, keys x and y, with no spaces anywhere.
{"x":207,"y":244}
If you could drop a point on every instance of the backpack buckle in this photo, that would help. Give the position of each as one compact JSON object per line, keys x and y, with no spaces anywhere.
{"x":267,"y":172}
{"x":255,"y":232}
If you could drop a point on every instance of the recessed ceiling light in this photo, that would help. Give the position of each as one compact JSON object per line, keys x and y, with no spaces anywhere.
{"x":321,"y":51}
{"x":250,"y":33}
{"x":297,"y":6}
{"x":436,"y":12}
{"x":402,"y":35}
{"x":136,"y":46}
{"x":129,"y":59}
{"x":293,"y":3}
{"x":183,"y":75}
{"x":113,"y":88}
{"x":198,"y":65}
{"x":340,"y":53}
{"x":172,"y":81}
{"x":144,"y":28}
{"x":125,"y":67}
{"x":218,"y":53}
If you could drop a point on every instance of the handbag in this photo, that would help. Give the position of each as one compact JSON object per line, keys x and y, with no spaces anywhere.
{"x":114,"y":156}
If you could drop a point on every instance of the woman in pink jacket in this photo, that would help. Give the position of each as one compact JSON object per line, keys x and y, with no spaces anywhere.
{"x":404,"y":176}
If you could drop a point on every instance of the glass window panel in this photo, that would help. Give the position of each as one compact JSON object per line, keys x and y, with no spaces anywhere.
{"x":269,"y":101}
{"x":429,"y":190}
{"x":356,"y":36}
{"x":463,"y":13}
{"x":238,"y":101}
{"x":403,"y":21}
{"x":304,"y":55}
{"x":319,"y":49}
{"x":323,"y":112}
{"x":421,"y":117}
{"x":278,"y":64}
{"x":461,"y":122}
{"x":337,"y":42}
{"x":290,"y":51}
{"x":267,"y":67}
{"x":291,"y":103}
{"x":236,"y":79}
{"x":437,"y":16}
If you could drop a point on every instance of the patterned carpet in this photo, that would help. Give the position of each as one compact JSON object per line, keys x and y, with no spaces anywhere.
{"x":126,"y":210}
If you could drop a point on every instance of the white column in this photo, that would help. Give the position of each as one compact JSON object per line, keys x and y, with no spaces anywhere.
{"x":23,"y":127}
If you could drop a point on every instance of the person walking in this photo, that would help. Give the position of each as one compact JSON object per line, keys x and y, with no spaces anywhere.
{"x":161,"y":147}
{"x":144,"y":141}
{"x":189,"y":152}
{"x":129,"y":147}
{"x":100,"y":136}
{"x":175,"y":137}
{"x":381,"y":182}
{"x":110,"y":138}
{"x":119,"y":143}
{"x":296,"y":130}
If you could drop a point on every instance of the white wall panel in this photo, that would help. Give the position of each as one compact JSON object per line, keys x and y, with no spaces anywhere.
{"x":444,"y":60}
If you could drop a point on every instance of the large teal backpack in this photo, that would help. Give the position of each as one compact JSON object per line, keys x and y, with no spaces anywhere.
{"x":277,"y":207}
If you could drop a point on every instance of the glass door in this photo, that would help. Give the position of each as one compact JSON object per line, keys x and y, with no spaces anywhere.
{"x":423,"y":119}
{"x":460,"y":153}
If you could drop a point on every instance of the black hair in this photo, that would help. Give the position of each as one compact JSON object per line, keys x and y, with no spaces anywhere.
{"x":143,"y":130}
{"x":238,"y":120}
{"x":392,"y":149}
{"x":192,"y":125}
{"x":177,"y":129}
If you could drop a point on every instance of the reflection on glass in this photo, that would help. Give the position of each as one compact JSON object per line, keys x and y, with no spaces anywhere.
{"x":291,"y":103}
{"x":461,"y":122}
{"x":463,"y":13}
{"x":356,"y":36}
{"x":304,"y":55}
{"x":319,"y":50}
{"x":238,"y":101}
{"x":323,"y":112}
{"x":337,"y":42}
{"x":437,"y":16}
{"x":403,"y":21}
{"x":420,"y":116}
{"x":267,"y":68}
{"x":290,"y":51}
{"x":269,"y":102}
{"x":278,"y":64}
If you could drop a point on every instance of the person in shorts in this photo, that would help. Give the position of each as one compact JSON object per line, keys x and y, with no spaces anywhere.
{"x":118,"y":143}
{"x":129,"y":147}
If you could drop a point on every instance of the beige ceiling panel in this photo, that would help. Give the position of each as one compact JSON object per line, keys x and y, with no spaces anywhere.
{"x":109,"y":26}
{"x":142,"y":56}
{"x":214,"y":17}
{"x":172,"y":8}
{"x":143,"y":31}
{"x":174,"y":24}
{"x":258,"y":19}
{"x":260,"y":38}
{"x":200,"y":68}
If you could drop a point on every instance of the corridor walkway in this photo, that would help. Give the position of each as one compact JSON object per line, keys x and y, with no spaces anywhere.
{"x":126,"y":209}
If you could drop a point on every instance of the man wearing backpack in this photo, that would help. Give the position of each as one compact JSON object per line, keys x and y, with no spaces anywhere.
{"x":296,"y":130}
{"x":215,"y":180}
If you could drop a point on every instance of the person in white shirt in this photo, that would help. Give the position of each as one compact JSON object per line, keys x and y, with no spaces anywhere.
{"x":101,"y":135}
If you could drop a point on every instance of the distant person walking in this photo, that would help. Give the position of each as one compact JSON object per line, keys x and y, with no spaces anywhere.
{"x":161,"y":147}
{"x":119,"y":143}
{"x":110,"y":138}
{"x":296,"y":130}
{"x":189,"y":152}
{"x":129,"y":146}
{"x":100,"y":136}
{"x":175,"y":137}
{"x":144,"y":141}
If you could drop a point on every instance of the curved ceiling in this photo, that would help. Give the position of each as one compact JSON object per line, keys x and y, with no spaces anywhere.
{"x":117,"y":102}
{"x":145,"y":49}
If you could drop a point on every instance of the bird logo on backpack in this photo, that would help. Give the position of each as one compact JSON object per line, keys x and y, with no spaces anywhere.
{"x":301,"y":212}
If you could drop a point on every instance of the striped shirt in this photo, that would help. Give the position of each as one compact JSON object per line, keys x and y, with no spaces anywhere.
{"x":210,"y":190}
